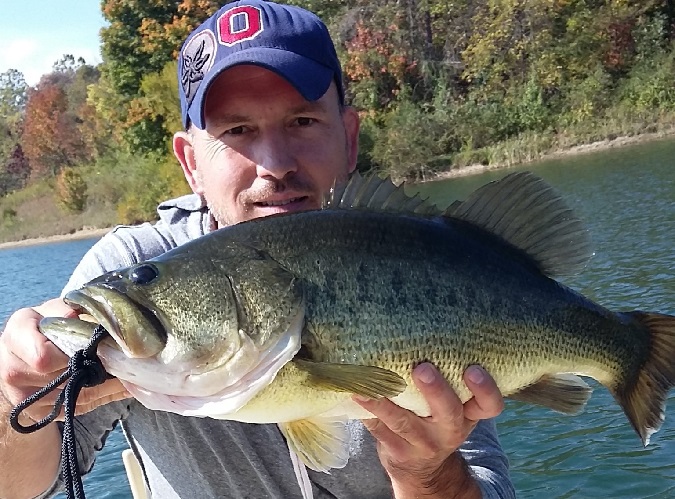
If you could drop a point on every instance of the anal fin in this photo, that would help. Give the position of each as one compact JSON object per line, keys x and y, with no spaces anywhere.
{"x":565,"y":393}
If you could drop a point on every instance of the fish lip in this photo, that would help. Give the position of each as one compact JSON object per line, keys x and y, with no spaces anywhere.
{"x":100,"y":309}
{"x":83,"y":303}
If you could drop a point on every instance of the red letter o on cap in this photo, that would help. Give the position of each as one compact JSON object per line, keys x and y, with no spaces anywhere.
{"x":250,"y":17}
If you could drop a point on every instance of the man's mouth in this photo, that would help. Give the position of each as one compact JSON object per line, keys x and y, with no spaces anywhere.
{"x":282,"y":202}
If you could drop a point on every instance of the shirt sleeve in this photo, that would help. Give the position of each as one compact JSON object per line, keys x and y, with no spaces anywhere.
{"x":487,"y":461}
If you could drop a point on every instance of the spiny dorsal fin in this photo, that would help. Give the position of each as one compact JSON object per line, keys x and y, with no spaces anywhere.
{"x":377,"y":194}
{"x":526,"y":212}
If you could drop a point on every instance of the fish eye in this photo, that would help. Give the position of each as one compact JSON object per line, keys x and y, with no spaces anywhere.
{"x":143,"y":274}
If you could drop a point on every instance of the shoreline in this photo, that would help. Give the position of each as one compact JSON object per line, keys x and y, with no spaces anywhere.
{"x":88,"y":233}
{"x":597,"y":146}
{"x":464,"y":171}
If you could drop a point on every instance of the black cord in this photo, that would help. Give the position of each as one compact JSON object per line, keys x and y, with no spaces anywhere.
{"x":84,"y":370}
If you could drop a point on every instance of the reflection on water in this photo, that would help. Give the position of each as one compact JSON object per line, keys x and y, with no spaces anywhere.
{"x":627,"y":198}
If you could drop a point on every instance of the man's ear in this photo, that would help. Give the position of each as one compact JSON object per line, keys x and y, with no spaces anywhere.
{"x":352,"y":124}
{"x":185,"y":153}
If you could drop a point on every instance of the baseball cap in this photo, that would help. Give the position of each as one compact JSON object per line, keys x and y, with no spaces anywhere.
{"x":291,"y":41}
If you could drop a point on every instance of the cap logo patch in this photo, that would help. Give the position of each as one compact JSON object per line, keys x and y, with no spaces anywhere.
{"x":198,"y":57}
{"x":239,"y":24}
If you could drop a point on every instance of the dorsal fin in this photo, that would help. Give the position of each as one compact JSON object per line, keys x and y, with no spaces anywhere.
{"x":521,"y":209}
{"x":377,"y":194}
{"x":527,"y":213}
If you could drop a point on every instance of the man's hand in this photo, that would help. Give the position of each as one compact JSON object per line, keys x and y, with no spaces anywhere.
{"x":419,"y":454}
{"x":28,"y":361}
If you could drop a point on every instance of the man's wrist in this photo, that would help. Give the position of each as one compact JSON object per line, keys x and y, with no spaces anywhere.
{"x":452,"y":480}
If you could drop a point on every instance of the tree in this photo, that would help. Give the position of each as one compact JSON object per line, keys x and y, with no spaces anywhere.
{"x":50,"y":140}
{"x":144,"y":35}
{"x":56,"y":115}
{"x":71,"y":190}
{"x":155,"y":114}
{"x":15,"y":172}
{"x":74,"y":77}
{"x":13,"y":89}
{"x":13,"y":95}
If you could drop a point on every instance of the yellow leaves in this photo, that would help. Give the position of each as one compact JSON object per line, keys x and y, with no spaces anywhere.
{"x":189,"y":14}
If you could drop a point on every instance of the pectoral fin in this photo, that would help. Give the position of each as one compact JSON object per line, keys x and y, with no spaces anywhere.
{"x":565,"y":393}
{"x":368,"y":381}
{"x":321,"y":443}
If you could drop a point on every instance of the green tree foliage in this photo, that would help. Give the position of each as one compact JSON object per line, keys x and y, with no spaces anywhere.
{"x":71,"y":190}
{"x":155,"y":114}
{"x":122,"y":42}
{"x":142,"y":38}
{"x":159,"y":179}
{"x":104,"y":128}
{"x":504,"y":68}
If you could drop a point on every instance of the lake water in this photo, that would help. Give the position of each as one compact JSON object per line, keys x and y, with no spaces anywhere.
{"x":627,"y":198}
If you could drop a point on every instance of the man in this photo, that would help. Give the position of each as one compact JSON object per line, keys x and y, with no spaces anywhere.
{"x":267,"y":132}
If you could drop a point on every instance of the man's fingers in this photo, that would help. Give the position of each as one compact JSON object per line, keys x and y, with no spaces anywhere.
{"x":442,"y":399}
{"x":24,"y":342}
{"x":109,"y":391}
{"x":384,"y":436}
{"x":88,"y":399}
{"x":91,"y":398}
{"x":487,"y":401}
{"x":55,"y":308}
{"x":394,"y":425}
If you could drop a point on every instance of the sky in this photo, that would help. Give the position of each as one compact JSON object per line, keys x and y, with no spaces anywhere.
{"x":34,"y":34}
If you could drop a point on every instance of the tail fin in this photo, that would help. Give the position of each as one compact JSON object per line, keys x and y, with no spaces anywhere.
{"x":644,"y":399}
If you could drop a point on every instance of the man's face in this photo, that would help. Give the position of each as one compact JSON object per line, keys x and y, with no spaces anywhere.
{"x":265,"y":149}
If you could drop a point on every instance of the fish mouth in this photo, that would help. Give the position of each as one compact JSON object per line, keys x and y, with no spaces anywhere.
{"x":137,"y":331}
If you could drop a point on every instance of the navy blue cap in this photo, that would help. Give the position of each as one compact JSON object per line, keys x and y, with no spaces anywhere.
{"x":292,"y":42}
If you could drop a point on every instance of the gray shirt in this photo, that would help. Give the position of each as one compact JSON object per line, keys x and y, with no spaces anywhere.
{"x":188,"y":457}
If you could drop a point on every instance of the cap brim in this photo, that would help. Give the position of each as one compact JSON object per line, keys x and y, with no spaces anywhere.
{"x":309,"y":78}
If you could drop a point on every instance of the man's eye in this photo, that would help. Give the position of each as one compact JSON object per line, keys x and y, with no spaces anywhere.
{"x":237,"y":130}
{"x":304,"y":121}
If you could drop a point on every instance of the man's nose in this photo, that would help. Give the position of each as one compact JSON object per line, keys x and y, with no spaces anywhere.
{"x":275,"y":156}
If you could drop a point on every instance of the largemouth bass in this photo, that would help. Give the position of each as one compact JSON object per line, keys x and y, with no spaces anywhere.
{"x":282,"y":319}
